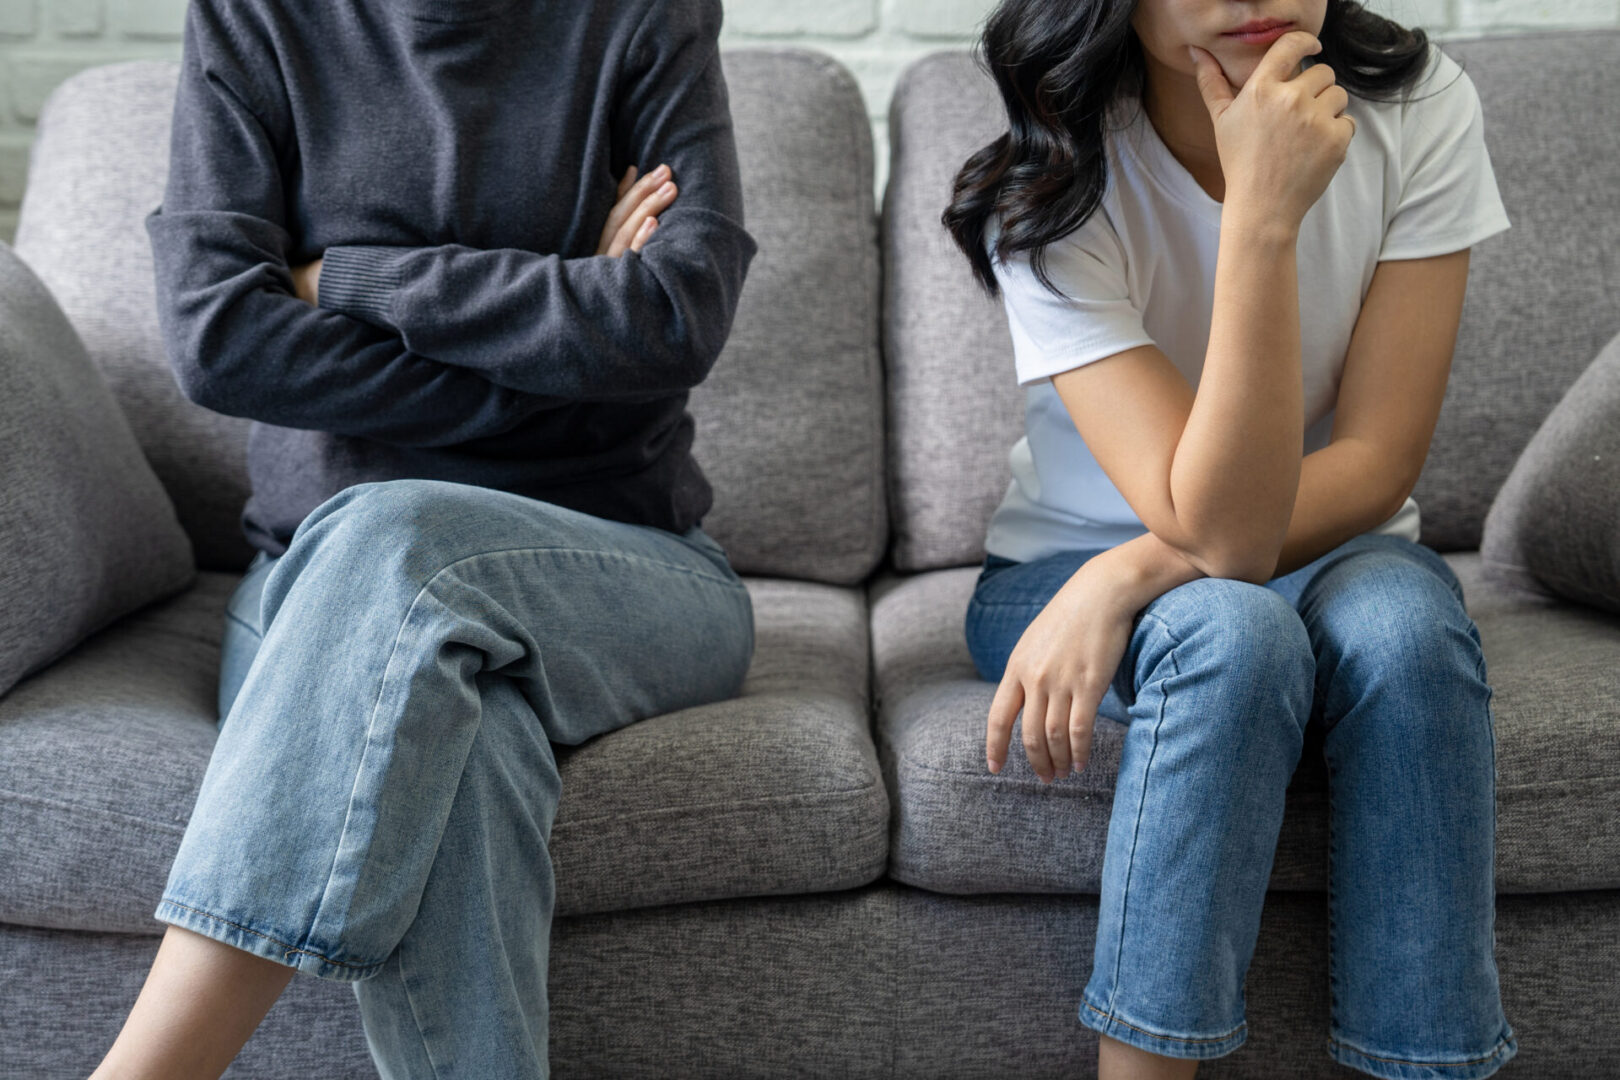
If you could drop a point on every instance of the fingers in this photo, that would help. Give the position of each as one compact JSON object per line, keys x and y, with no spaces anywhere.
{"x":1082,"y":717}
{"x":630,"y":198}
{"x":643,"y":234}
{"x":624,"y":185}
{"x":1315,"y":79}
{"x":1035,"y":746}
{"x":998,"y":730}
{"x":1216,"y":89}
{"x":1285,"y":54}
{"x":1058,"y":708}
{"x":652,"y":204}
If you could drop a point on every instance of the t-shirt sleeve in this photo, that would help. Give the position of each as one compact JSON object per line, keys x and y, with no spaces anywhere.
{"x":1449,"y":199}
{"x":1095,"y":317}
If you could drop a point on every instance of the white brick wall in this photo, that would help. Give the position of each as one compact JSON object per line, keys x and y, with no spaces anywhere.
{"x":44,"y":41}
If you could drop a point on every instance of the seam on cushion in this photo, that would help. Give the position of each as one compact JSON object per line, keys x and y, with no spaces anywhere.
{"x":1558,"y":581}
{"x":1560,"y":782}
{"x":737,"y":804}
{"x":82,"y":809}
{"x":1044,"y":788}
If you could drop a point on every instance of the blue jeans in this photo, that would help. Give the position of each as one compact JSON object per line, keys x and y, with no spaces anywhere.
{"x":379,"y":801}
{"x":1218,"y":683}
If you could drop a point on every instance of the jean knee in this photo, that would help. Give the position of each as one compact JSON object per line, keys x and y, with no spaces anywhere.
{"x":1242,"y":624}
{"x":1399,"y":622}
{"x":1249,"y":635}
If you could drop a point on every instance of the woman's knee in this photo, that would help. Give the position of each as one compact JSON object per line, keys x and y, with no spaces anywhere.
{"x":1397,"y":620}
{"x":1236,"y":624}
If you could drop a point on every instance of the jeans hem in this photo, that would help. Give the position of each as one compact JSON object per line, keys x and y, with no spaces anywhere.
{"x":1178,"y":1046}
{"x":240,"y":936}
{"x":1391,"y":1067}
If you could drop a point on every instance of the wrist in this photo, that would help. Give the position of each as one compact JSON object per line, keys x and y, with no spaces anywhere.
{"x":1146,"y":568}
{"x":1241,"y":220}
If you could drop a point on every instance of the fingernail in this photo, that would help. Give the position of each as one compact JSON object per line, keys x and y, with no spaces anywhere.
{"x":1193,"y":53}
{"x":661,"y":172}
{"x":667,"y":189}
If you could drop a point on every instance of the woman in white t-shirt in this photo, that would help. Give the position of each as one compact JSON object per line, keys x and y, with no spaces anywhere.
{"x":1233,"y":260}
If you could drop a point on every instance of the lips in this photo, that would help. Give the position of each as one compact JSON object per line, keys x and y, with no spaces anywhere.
{"x":1257,"y":26}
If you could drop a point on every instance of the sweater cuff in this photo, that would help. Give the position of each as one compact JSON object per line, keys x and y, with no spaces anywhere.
{"x":360,"y":280}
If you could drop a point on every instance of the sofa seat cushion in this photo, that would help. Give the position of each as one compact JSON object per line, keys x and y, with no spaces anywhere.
{"x":1554,"y":667}
{"x":775,"y":791}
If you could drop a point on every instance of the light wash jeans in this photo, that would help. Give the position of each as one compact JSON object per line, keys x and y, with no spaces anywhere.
{"x":379,"y":801}
{"x":1217,"y":685}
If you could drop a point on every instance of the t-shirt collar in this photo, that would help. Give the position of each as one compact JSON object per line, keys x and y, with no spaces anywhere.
{"x":1141,"y":139}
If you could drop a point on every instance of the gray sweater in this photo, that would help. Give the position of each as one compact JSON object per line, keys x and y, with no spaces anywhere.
{"x":454,"y":162}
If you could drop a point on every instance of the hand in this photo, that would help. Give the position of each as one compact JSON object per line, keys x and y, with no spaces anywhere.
{"x":634,"y":217}
{"x":1060,"y":671}
{"x":307,"y":280}
{"x":1281,"y":138}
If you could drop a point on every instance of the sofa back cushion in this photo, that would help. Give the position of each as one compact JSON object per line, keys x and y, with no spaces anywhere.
{"x":789,"y":422}
{"x":1541,"y":297}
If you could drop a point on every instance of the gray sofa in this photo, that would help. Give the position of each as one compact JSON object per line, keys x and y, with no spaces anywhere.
{"x":819,"y":878}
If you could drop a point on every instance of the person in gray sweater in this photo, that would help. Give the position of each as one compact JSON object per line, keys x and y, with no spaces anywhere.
{"x":460,"y":262}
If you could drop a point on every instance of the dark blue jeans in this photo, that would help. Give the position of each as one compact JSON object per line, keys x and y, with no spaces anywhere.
{"x":1218,"y":683}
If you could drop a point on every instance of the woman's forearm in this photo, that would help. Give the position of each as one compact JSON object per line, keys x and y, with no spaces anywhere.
{"x":1334,"y":503}
{"x":1237,"y":464}
{"x":1343,"y":492}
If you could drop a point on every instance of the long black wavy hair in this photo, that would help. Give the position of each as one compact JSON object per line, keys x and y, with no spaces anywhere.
{"x":1059,"y":64}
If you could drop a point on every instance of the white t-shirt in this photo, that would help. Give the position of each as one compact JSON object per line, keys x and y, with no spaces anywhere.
{"x":1416,"y":181}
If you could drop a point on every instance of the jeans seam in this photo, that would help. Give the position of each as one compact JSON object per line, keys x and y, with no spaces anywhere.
{"x":1130,"y":860}
{"x":416,"y":1016}
{"x":731,"y":582}
{"x":1167,"y":1038}
{"x":239,"y":621}
{"x":1424,"y":1064}
{"x":256,"y":933}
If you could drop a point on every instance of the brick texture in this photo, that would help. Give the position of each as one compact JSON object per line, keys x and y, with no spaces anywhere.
{"x":45,"y":41}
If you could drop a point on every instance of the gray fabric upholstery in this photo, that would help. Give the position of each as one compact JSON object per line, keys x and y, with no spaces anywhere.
{"x":1540,"y":297}
{"x":954,"y":404}
{"x":1555,"y":668}
{"x":883,"y":982}
{"x":790,"y":423}
{"x":1555,"y":524}
{"x":776,"y":791}
{"x":86,"y":530}
{"x":97,"y":165}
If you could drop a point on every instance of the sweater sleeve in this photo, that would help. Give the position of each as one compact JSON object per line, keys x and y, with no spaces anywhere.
{"x":238,"y":337}
{"x":591,"y":328}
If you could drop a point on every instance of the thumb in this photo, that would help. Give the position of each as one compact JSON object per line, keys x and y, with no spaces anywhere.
{"x":1212,"y":84}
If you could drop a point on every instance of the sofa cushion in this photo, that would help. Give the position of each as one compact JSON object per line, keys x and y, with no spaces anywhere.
{"x":1555,"y":524}
{"x":87,"y":531}
{"x":789,"y":424}
{"x":775,"y":791}
{"x":1540,"y":297}
{"x":1554,"y":666}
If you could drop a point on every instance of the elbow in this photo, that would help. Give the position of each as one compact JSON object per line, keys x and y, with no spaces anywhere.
{"x":1252,"y":562}
{"x":202,"y":386}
